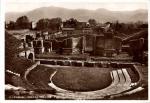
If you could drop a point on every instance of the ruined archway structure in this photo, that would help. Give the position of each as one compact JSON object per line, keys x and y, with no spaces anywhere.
{"x":31,"y":56}
{"x":28,"y":54}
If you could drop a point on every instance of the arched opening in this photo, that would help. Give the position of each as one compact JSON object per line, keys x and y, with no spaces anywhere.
{"x":30,"y":56}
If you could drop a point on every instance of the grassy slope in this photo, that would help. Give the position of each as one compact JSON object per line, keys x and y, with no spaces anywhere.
{"x":19,"y":65}
{"x":39,"y":77}
{"x":18,"y":82}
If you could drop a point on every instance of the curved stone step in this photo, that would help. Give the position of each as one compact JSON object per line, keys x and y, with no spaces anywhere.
{"x":127,"y":76}
{"x":121,"y":77}
{"x":120,"y":82}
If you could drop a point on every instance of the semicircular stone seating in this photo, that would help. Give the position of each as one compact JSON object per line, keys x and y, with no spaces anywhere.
{"x":120,"y":82}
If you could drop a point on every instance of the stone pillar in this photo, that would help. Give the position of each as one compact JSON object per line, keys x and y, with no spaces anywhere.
{"x":55,"y":62}
{"x":42,"y":43}
{"x":94,"y":46}
{"x":70,"y":62}
{"x":83,"y":49}
{"x":31,"y":43}
{"x":51,"y":47}
{"x":82,"y":63}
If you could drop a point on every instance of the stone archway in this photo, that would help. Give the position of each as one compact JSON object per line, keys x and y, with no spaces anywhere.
{"x":31,"y":56}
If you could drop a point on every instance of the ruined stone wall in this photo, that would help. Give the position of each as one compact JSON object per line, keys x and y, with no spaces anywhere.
{"x":89,"y":43}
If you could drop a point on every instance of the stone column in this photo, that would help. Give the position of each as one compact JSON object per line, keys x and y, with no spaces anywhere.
{"x":51,"y":47}
{"x":83,"y":41}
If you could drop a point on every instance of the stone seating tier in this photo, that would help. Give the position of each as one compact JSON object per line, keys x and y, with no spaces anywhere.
{"x":120,"y":83}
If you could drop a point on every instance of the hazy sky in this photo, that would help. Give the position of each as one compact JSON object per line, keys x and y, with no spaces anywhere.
{"x":114,"y":5}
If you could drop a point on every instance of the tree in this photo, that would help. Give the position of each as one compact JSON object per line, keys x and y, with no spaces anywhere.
{"x":92,"y":22}
{"x":43,"y":24}
{"x":23,"y":22}
{"x":53,"y":24}
{"x":11,"y":25}
{"x":117,"y":26}
{"x":71,"y":23}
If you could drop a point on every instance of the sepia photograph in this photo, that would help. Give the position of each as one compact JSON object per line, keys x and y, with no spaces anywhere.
{"x":88,"y":50}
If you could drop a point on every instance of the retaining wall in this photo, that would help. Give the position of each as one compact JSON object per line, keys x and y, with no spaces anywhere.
{"x":78,"y":63}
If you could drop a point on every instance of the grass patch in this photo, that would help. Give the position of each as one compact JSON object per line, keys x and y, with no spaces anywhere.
{"x":82,"y":79}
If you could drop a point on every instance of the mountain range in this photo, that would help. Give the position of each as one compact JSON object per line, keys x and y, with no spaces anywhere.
{"x":100,"y":15}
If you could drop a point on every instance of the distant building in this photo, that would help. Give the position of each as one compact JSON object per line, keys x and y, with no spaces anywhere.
{"x":78,"y":40}
{"x":138,"y":44}
{"x":102,"y":45}
{"x":47,"y":46}
{"x":38,"y":46}
{"x":68,"y":31}
{"x":45,"y":35}
{"x":82,"y":25}
{"x":87,"y":30}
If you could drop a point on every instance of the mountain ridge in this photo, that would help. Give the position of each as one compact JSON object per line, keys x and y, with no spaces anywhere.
{"x":100,"y":14}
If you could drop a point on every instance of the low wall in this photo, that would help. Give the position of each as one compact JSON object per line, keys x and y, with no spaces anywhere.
{"x":11,"y":72}
{"x":30,"y":68}
{"x":80,"y":63}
